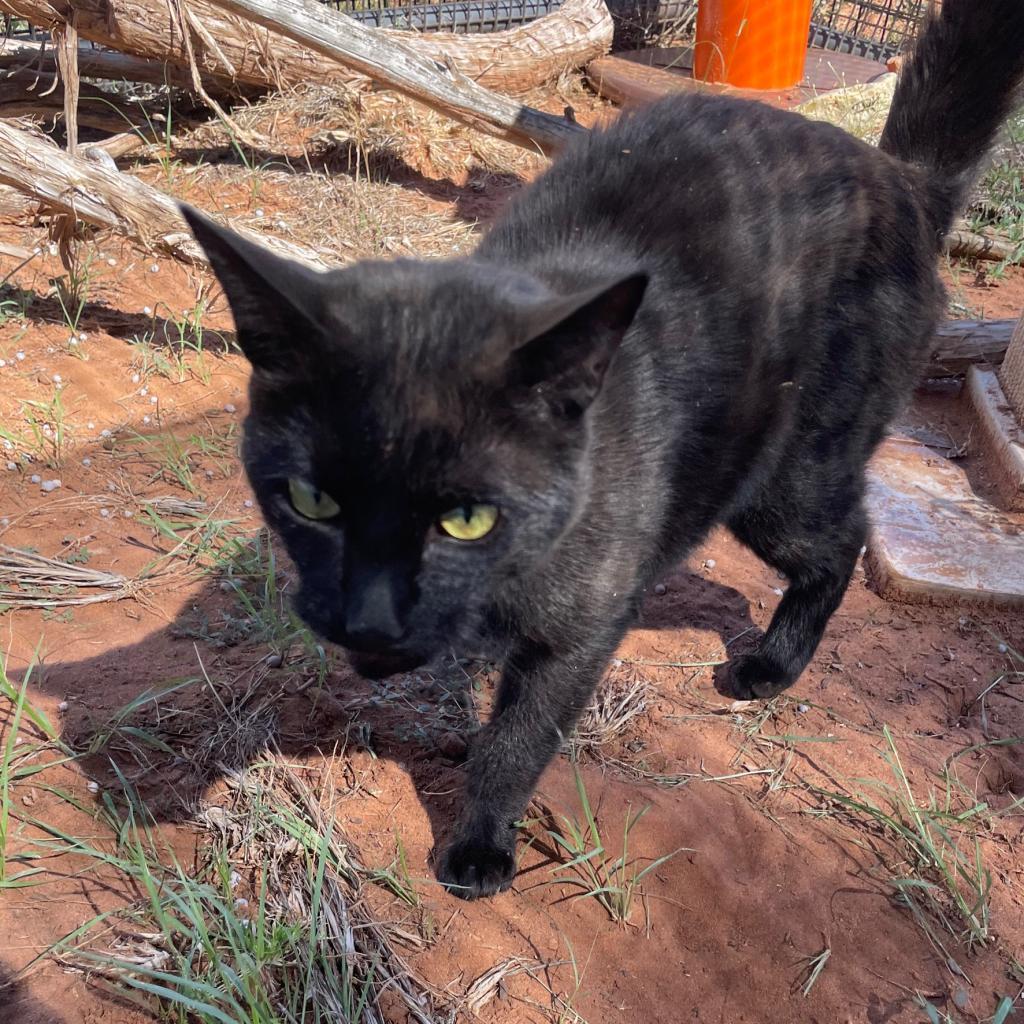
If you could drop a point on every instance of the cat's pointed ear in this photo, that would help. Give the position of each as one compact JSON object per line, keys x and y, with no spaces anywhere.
{"x":572,"y":339}
{"x":272,"y":299}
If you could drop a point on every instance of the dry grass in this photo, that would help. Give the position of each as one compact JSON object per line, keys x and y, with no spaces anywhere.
{"x":30,"y":580}
{"x":620,"y":700}
{"x":272,"y":925}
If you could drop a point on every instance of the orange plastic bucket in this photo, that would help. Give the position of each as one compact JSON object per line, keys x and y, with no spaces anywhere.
{"x":752,"y":44}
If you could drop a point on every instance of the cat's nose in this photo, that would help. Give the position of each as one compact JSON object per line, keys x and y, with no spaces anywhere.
{"x":373,"y":619}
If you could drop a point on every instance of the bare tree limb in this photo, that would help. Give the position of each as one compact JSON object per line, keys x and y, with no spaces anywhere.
{"x":102,"y":196}
{"x":247,"y":55}
{"x":393,"y":63}
{"x":980,"y":247}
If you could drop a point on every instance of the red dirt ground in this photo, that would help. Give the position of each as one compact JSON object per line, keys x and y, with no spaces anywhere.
{"x":773,"y":871}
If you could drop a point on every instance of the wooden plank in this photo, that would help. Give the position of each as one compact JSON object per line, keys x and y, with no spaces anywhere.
{"x":961,"y":343}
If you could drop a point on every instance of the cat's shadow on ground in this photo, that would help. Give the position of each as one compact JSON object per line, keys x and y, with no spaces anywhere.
{"x":236,"y":704}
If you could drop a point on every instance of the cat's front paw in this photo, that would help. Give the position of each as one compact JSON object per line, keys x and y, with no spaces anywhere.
{"x":751,"y":677}
{"x":471,"y":868}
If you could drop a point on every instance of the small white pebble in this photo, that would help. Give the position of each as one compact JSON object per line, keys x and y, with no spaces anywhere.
{"x":3,"y":363}
{"x":127,"y":513}
{"x":660,"y":589}
{"x":62,"y":706}
{"x":247,"y":503}
{"x":145,"y":419}
{"x":90,"y":425}
{"x":104,"y":433}
{"x":8,"y":446}
{"x":82,"y":336}
{"x":53,"y":250}
{"x":57,"y":378}
{"x":19,"y":356}
{"x":229,"y":407}
{"x":241,"y":902}
{"x":72,"y":341}
{"x":87,"y":462}
{"x":863,"y":551}
{"x":710,"y":564}
{"x":777,"y":590}
{"x":5,"y":521}
{"x":104,"y":512}
{"x":281,"y":225}
{"x":143,"y":392}
{"x":234,"y":879}
{"x":147,"y":311}
{"x":258,"y":212}
{"x":37,"y":251}
{"x":47,"y":429}
{"x":18,"y":742}
{"x":153,"y":399}
{"x":50,"y":485}
{"x":1002,"y":648}
{"x":112,"y":487}
{"x":93,"y":787}
{"x":12,"y":465}
{"x":111,"y":262}
{"x":135,"y":378}
{"x":803,"y":708}
{"x":36,"y":478}
{"x":154,"y":268}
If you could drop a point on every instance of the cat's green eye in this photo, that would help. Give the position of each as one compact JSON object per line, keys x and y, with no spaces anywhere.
{"x":470,"y":522}
{"x":311,"y":503}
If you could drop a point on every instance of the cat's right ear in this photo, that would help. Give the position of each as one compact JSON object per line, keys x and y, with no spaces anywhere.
{"x":275,"y":301}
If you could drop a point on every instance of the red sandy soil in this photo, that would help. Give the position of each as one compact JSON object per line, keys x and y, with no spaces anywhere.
{"x":767,"y":878}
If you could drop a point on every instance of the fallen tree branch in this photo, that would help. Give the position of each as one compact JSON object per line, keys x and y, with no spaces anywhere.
{"x":513,"y":61}
{"x":94,"y":62}
{"x":393,"y":63}
{"x":102,"y":196}
{"x":960,"y":343}
{"x":980,"y":247}
{"x":27,"y":93}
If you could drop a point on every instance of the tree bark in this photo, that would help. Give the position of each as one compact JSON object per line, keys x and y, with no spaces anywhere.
{"x":512,"y":61}
{"x":106,"y":198}
{"x":960,"y":343}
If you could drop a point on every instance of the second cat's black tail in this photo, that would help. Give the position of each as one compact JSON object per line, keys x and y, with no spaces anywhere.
{"x":959,"y":86}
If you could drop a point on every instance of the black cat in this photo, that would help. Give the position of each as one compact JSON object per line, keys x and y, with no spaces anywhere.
{"x":706,"y":314}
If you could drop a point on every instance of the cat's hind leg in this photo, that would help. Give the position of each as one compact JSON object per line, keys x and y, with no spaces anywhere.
{"x":814,"y":535}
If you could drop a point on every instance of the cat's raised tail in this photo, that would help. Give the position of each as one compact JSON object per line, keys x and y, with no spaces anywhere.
{"x":959,"y":86}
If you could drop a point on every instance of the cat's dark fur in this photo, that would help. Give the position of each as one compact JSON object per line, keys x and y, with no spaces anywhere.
{"x":706,"y":314}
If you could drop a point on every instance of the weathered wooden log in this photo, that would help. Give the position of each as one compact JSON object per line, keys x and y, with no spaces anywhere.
{"x":25,"y":92}
{"x":391,"y":62}
{"x":959,"y":344}
{"x":239,"y":52}
{"x":102,"y":196}
{"x":94,"y":62}
{"x":970,"y":244}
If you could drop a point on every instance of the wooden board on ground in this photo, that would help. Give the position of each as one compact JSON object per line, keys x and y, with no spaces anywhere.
{"x":999,"y":436}
{"x":933,"y":540}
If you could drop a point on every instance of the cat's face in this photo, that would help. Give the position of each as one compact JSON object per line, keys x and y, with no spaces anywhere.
{"x":417,"y":433}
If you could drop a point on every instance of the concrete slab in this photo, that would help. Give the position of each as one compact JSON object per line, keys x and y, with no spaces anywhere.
{"x":999,"y":436}
{"x":933,"y":540}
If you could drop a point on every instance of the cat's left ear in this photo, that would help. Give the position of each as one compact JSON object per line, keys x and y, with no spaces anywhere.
{"x":275,"y":301}
{"x":572,"y":339}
